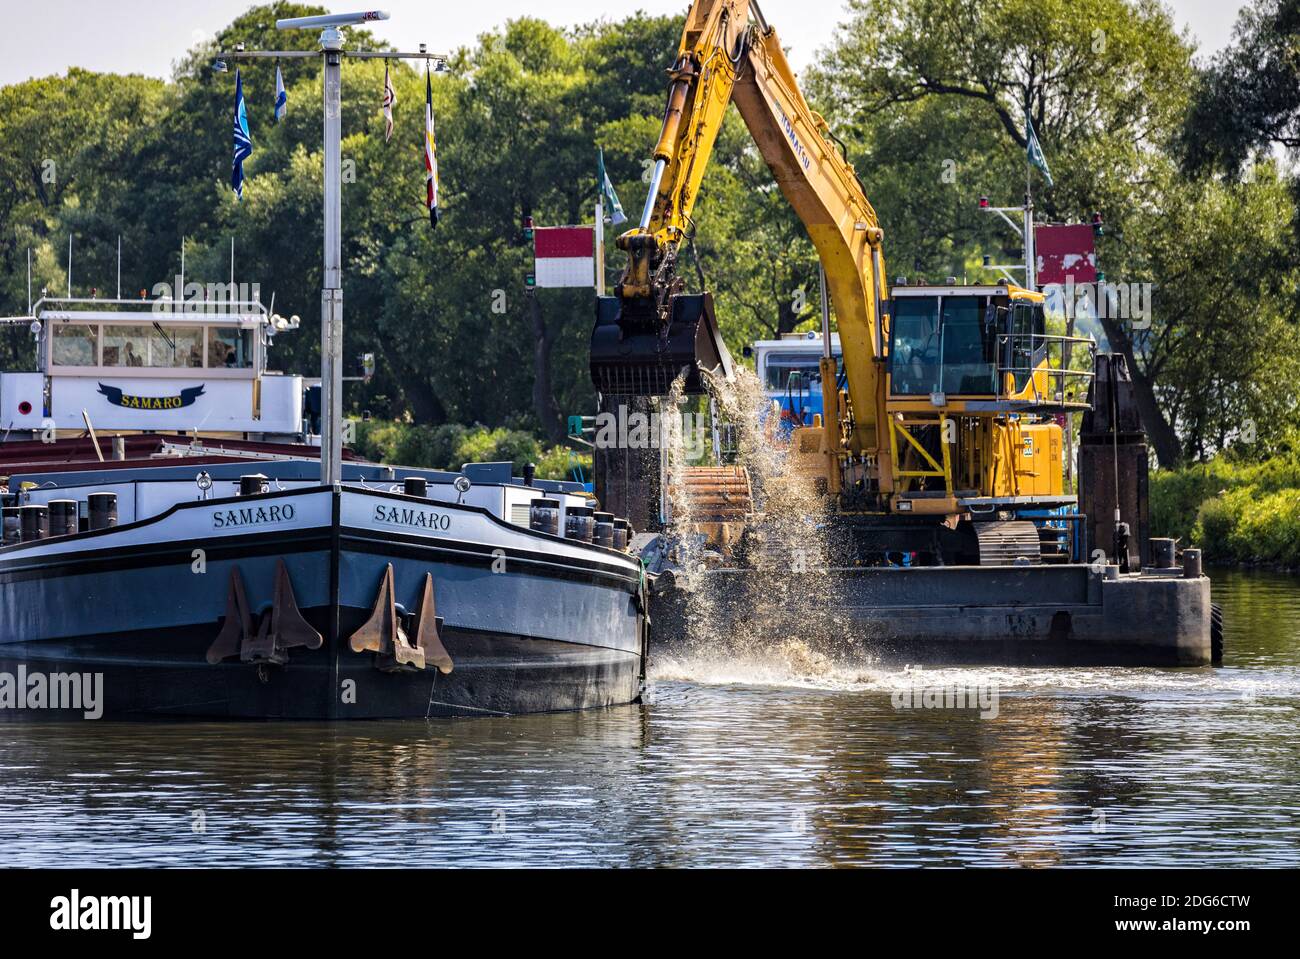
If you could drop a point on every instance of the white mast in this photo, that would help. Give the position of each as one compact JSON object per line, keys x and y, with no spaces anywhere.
{"x":332,"y":52}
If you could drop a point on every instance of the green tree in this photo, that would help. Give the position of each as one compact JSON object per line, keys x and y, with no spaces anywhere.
{"x":931,"y":95}
{"x":1248,"y":100}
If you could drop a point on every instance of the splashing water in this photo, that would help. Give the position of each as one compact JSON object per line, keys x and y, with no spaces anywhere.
{"x":777,"y":622}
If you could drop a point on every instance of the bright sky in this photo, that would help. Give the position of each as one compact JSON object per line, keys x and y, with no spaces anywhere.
{"x":145,"y":36}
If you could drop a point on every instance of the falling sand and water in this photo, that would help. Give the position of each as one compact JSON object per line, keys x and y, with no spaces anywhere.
{"x":789,"y":630}
{"x":790,"y":633}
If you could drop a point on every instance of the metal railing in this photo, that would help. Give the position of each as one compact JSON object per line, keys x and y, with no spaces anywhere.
{"x":1037,"y":369}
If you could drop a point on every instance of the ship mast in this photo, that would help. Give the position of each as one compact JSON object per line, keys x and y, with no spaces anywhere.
{"x":331,"y":300}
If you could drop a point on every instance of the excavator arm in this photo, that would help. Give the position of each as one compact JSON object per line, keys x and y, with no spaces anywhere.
{"x":650,"y":330}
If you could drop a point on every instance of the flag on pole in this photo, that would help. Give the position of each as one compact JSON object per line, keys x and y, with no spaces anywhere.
{"x":430,"y":151}
{"x":1034,"y":149}
{"x":281,"y":98}
{"x":243,"y":142}
{"x":390,"y":98}
{"x":613,"y":209}
{"x":563,"y":256}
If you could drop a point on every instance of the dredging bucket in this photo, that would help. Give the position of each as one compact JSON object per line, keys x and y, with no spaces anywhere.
{"x":633,"y":355}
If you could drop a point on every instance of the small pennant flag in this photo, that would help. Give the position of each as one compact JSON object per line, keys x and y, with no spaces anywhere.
{"x":243,"y":142}
{"x":390,"y":98}
{"x":430,"y":152}
{"x":281,"y":98}
{"x":613,"y":209}
{"x":1034,"y":149}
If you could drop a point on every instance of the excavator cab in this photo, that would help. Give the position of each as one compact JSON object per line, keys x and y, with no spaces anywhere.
{"x":979,"y":342}
{"x":636,"y":353}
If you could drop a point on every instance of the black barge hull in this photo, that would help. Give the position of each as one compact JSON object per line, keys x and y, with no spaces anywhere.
{"x":530,"y":622}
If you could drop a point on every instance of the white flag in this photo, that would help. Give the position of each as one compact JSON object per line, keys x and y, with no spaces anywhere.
{"x":390,"y":97}
{"x":281,"y":98}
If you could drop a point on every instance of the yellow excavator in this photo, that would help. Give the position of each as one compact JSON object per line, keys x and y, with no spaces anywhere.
{"x":941,"y":440}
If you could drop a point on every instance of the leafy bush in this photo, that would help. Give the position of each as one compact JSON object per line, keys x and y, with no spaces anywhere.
{"x":1238,"y":512}
{"x":450,"y":446}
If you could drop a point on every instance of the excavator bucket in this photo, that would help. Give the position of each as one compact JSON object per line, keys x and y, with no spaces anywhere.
{"x":632,"y":354}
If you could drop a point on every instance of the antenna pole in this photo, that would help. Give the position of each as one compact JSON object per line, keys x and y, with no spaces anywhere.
{"x":119,"y":266}
{"x":181,"y":278}
{"x":29,"y":280}
{"x":232,"y":265}
{"x":69,"y":265}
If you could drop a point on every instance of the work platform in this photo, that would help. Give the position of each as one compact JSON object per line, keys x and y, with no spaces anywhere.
{"x":1040,"y":615}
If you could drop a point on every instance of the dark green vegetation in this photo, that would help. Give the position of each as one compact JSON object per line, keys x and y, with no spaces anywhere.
{"x":1239,"y":511}
{"x":1185,"y":160}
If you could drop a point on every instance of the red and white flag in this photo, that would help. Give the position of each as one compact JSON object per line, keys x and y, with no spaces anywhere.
{"x":390,"y":98}
{"x":430,"y":153}
{"x":1064,"y":251}
{"x":565,"y":256}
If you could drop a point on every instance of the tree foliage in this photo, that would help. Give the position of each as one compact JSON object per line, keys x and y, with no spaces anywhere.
{"x":928,"y":95}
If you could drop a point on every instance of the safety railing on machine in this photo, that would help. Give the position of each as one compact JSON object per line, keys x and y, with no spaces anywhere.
{"x":1045,"y":371}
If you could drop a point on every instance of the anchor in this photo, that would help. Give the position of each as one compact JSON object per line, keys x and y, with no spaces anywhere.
{"x":282,"y":627}
{"x":383,"y":634}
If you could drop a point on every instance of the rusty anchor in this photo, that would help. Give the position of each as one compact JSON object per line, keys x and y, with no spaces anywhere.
{"x":281,"y":628}
{"x":384,"y":635}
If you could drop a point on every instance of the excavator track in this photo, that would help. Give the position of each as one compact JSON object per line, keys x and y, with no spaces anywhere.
{"x":1006,"y":543}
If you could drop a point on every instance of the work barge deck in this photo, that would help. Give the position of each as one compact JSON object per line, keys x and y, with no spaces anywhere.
{"x":1043,"y":615}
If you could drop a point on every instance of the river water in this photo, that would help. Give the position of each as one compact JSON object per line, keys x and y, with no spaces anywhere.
{"x":773,"y":762}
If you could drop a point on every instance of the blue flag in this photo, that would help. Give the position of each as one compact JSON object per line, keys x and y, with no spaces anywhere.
{"x":281,"y":98}
{"x":243,"y":142}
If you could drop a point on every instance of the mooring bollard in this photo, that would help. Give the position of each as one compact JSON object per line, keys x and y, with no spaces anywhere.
{"x":63,"y":517}
{"x":102,"y":508}
{"x":579,"y":524}
{"x":622,"y":533}
{"x":1191,"y":564}
{"x":544,"y":516}
{"x":13,"y":525}
{"x":35,"y":523}
{"x":1162,"y":553}
{"x":603,"y":531}
{"x":415,"y":486}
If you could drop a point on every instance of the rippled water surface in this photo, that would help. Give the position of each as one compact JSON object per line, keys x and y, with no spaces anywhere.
{"x":778,"y":761}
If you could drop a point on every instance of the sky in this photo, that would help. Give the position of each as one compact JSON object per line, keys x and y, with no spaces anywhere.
{"x":146,"y":36}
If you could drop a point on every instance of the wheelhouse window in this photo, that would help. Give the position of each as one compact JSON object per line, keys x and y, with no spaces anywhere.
{"x":76,"y":344}
{"x":230,"y":348}
{"x":173,"y":347}
{"x":126,"y":345}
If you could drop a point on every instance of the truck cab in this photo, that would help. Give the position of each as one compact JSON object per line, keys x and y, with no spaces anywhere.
{"x":790,"y":375}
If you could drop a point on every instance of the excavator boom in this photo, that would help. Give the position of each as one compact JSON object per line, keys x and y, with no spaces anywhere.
{"x":651,"y":331}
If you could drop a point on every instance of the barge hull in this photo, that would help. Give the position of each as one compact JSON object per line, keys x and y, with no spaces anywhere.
{"x":1013,"y":615}
{"x":531,"y":623}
